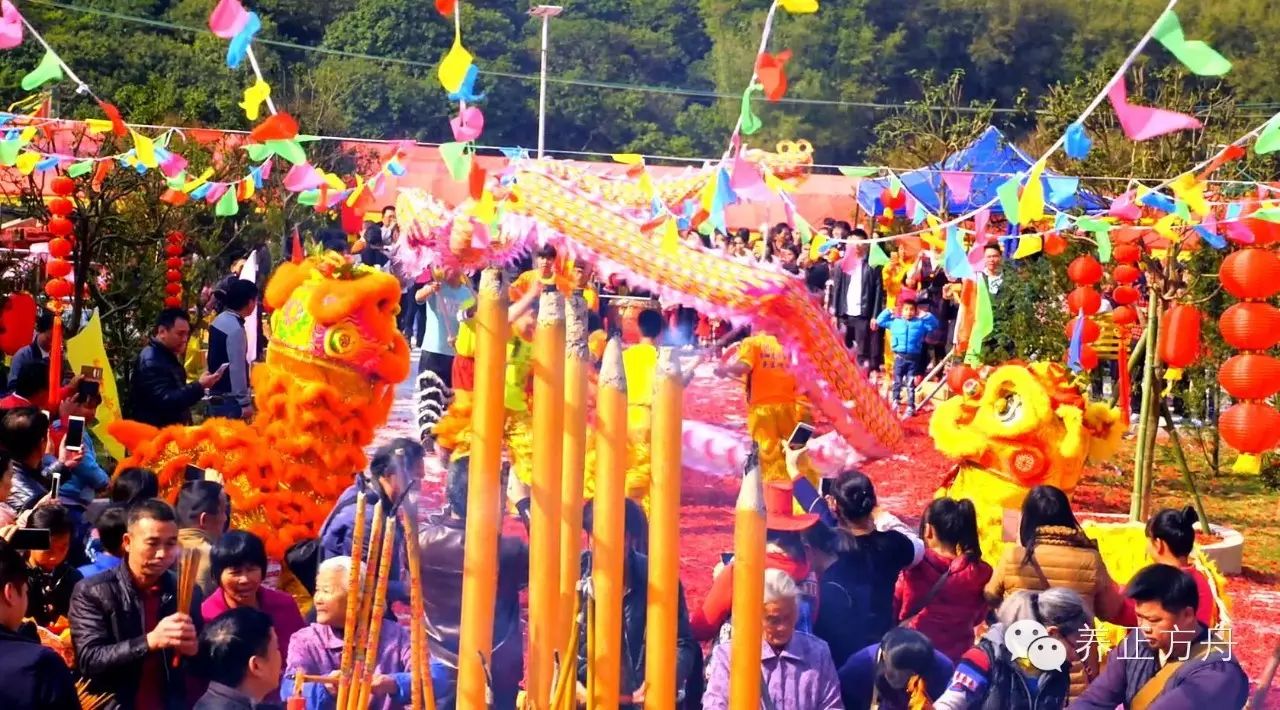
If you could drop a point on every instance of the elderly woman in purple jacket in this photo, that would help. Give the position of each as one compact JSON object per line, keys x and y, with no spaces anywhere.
{"x":796,"y":668}
{"x":317,"y":649}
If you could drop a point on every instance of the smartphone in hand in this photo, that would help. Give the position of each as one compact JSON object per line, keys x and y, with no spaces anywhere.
{"x":74,"y":440}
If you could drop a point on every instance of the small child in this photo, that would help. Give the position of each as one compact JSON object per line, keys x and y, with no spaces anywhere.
{"x":907,"y":332}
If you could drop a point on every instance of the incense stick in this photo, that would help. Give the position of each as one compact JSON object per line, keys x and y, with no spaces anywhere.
{"x":424,"y":696}
{"x":353,"y":581}
{"x":376,"y":612}
{"x":188,"y":565}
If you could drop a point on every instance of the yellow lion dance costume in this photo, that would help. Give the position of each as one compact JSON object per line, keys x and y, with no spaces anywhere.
{"x":1023,"y":426}
{"x":328,"y":383}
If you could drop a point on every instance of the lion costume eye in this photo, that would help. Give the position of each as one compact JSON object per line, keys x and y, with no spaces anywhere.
{"x":340,"y":341}
{"x":1008,"y":408}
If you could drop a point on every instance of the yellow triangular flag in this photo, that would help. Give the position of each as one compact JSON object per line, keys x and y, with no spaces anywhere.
{"x":453,"y":69}
{"x":249,"y":188}
{"x":27,"y":162}
{"x":97,"y":126}
{"x":646,"y":185}
{"x":1028,"y":245}
{"x":145,"y":149}
{"x":1191,"y":191}
{"x":708,"y":195}
{"x":484,"y":209}
{"x":86,"y":348}
{"x":204,"y":177}
{"x":355,"y":194}
{"x":1164,"y":226}
{"x":670,"y":237}
{"x":1031,"y":204}
{"x":27,"y":134}
{"x":628,"y":158}
{"x":932,"y":237}
{"x":777,"y":184}
{"x":799,"y":7}
{"x":254,"y":97}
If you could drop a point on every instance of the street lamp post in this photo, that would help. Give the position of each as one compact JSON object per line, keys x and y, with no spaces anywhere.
{"x":546,"y":12}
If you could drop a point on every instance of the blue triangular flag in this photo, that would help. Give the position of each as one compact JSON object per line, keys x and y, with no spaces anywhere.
{"x":954,"y":259}
{"x":1210,"y":237}
{"x":1062,"y":188}
{"x":1159,"y":201}
{"x":1077,"y":344}
{"x":920,"y":214}
{"x":1078,"y":143}
{"x":1061,"y":221}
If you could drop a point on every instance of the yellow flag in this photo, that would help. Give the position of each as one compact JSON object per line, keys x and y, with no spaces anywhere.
{"x":355,"y":194}
{"x":933,"y":237}
{"x":484,"y":208}
{"x":799,"y":7}
{"x":27,"y":134}
{"x":670,"y":238}
{"x":453,"y":69}
{"x":1164,"y":226}
{"x":97,"y":126}
{"x":646,"y":185}
{"x":254,"y":97}
{"x":1031,"y":204}
{"x":249,"y":188}
{"x":1191,"y":191}
{"x":1028,"y":245}
{"x":27,"y":162}
{"x":628,"y":158}
{"x":145,"y":149}
{"x":86,"y":348}
{"x":204,"y":177}
{"x":708,"y":195}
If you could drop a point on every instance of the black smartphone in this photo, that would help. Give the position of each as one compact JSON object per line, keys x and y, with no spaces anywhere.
{"x":726,"y":558}
{"x":31,"y":539}
{"x":193,"y":473}
{"x":88,"y":388}
{"x":74,"y":440}
{"x":800,"y":436}
{"x":89,"y":372}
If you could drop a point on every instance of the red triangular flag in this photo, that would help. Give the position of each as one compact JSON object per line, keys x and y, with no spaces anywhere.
{"x":352,"y":220}
{"x":771,"y":74}
{"x":117,"y":122}
{"x":278,"y":127}
{"x":100,"y":173}
{"x":297,"y":246}
{"x":176,"y":198}
{"x":446,"y":7}
{"x":476,"y":180}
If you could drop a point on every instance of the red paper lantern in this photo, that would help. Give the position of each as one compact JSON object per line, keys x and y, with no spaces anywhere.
{"x":173,"y":262}
{"x":57,"y":268}
{"x":172,"y":302}
{"x":61,"y":206}
{"x":1088,"y":357}
{"x":1250,"y":376}
{"x":1126,"y":274}
{"x":60,"y":227}
{"x":173,"y":250}
{"x":1179,"y":342}
{"x":1250,"y":427}
{"x":960,"y":375}
{"x":1124,"y":315}
{"x":1084,"y":299}
{"x":1251,"y":274}
{"x":63,"y":186}
{"x":173,"y":275}
{"x":1250,"y":325}
{"x":1124,"y":295}
{"x":1084,"y":271}
{"x":176,"y":237}
{"x":1054,"y":244}
{"x":58,"y":288}
{"x":892,"y":202}
{"x":1090,"y":333}
{"x":59,"y":247}
{"x":1126,"y":253}
{"x":1265,"y":232}
{"x":172,"y":289}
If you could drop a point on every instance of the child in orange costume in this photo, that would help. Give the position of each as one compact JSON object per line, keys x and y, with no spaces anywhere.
{"x":773,"y":405}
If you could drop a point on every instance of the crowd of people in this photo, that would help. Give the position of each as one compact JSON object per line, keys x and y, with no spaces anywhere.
{"x":860,"y":610}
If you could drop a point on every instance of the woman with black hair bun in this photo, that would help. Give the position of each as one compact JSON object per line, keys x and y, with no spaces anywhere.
{"x":902,"y":671}
{"x":1171,"y":535}
{"x":856,"y":590}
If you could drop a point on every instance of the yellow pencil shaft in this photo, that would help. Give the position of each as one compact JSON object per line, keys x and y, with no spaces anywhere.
{"x":544,"y":535}
{"x":353,"y":603}
{"x":573,"y":463}
{"x":423,"y":692}
{"x":376,"y":613}
{"x":748,"y":609}
{"x":608,"y":531}
{"x":664,"y":538}
{"x":484,"y":502}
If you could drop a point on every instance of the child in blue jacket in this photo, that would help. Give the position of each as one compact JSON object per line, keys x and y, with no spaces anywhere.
{"x":907,"y":333}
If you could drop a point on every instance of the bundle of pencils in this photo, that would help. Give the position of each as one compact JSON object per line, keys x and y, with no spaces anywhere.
{"x":353,"y":601}
{"x":91,"y":701}
{"x":353,"y":664}
{"x":365,"y":679}
{"x":424,"y":696}
{"x":188,"y":568}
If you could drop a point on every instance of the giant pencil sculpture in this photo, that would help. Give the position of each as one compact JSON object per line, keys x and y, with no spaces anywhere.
{"x":748,"y":590}
{"x":353,"y":602}
{"x":544,"y":530}
{"x":577,"y":362}
{"x":361,"y":658}
{"x":424,"y":696}
{"x":480,"y":562}
{"x":376,"y":612}
{"x":664,"y":535}
{"x":608,"y":531}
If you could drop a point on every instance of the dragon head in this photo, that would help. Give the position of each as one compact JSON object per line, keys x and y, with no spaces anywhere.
{"x":335,"y":315}
{"x":790,"y":159}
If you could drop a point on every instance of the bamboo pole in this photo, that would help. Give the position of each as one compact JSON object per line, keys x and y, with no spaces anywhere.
{"x":545,"y":631}
{"x":577,"y":362}
{"x":1137,"y":504}
{"x":664,"y":535}
{"x":484,"y":505}
{"x":1180,"y":456}
{"x":748,"y":590}
{"x":377,"y":540}
{"x":424,"y":694}
{"x":353,"y":601}
{"x":608,"y":533}
{"x":376,"y":613}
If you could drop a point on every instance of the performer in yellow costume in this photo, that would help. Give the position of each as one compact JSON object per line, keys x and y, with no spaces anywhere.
{"x":773,"y":405}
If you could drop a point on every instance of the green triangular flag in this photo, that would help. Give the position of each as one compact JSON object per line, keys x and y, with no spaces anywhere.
{"x":1104,"y":245}
{"x":1197,"y":56}
{"x":309,"y":198}
{"x":306,"y":138}
{"x":50,"y":69}
{"x":850,"y":171}
{"x":456,"y":159}
{"x":227,"y":204}
{"x":895,"y":186}
{"x":1090,"y":224}
{"x":983,"y":323}
{"x":177,"y":182}
{"x":290,"y":150}
{"x":748,"y":122}
{"x":1267,"y":214}
{"x":1008,"y":193}
{"x":1269,"y":140}
{"x":876,"y":256}
{"x":258,"y":152}
{"x":9,"y":152}
{"x":1181,"y":210}
{"x":805,"y":231}
{"x":84,"y":167}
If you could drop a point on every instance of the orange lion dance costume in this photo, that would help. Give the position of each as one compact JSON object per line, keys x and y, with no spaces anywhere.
{"x":328,"y":383}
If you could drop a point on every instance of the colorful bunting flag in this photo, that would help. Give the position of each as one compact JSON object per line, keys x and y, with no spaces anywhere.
{"x":1031,"y":203}
{"x":771,"y":73}
{"x":748,"y":122}
{"x":1078,"y":142}
{"x":1269,"y":140}
{"x":1197,"y":56}
{"x":799,"y":7}
{"x":49,"y":69}
{"x":959,"y":184}
{"x":858,"y":172}
{"x":1008,"y":194}
{"x":254,"y":96}
{"x":10,"y":26}
{"x":1142,"y":123}
{"x":983,"y":323}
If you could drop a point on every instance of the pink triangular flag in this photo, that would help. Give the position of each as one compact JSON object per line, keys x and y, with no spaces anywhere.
{"x":467,"y":125}
{"x":1141,"y":123}
{"x":1124,"y":208}
{"x":10,"y":26}
{"x":302,"y":177}
{"x":173,"y":165}
{"x":228,"y":18}
{"x":980,"y":238}
{"x":216,"y":191}
{"x":959,"y":184}
{"x":1238,"y":232}
{"x":746,"y":181}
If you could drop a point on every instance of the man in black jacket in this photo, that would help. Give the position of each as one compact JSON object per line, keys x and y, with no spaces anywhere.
{"x":635,"y":615}
{"x":125,"y":624}
{"x":160,"y":394}
{"x":858,"y":299}
{"x":34,"y":676}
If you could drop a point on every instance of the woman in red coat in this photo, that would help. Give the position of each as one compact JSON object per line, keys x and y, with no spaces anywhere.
{"x":942,"y":596}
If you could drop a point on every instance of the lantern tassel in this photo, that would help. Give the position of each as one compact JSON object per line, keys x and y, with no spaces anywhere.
{"x":1171,"y":376}
{"x":1247,"y":463}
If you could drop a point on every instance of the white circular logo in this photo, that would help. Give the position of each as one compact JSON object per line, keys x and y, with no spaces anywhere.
{"x":1047,"y":654}
{"x":1020,"y":634}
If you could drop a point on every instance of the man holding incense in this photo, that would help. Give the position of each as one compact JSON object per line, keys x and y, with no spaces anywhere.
{"x":131,"y":640}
